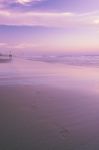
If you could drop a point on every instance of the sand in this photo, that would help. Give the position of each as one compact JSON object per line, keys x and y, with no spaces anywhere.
{"x":47,"y":106}
{"x":46,"y":118}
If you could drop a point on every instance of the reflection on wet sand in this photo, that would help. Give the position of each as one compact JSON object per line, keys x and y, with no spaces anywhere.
{"x":48,"y":106}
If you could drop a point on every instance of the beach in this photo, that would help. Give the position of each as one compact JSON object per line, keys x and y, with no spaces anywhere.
{"x":48,"y":106}
{"x":49,"y":74}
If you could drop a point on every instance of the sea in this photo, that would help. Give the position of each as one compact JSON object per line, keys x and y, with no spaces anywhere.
{"x":61,"y":71}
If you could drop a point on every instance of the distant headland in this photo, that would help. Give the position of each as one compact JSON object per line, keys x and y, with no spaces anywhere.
{"x":5,"y":57}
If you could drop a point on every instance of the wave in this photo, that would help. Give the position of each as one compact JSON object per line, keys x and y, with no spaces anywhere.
{"x":70,"y":60}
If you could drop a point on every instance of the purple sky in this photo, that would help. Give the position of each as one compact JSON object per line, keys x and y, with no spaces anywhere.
{"x":49,"y":25}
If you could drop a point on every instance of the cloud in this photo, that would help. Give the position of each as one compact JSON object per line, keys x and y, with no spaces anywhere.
{"x":19,"y":45}
{"x":49,"y":19}
{"x":18,"y":5}
{"x":24,"y":1}
{"x":27,"y":2}
{"x":35,"y":18}
{"x":23,"y":45}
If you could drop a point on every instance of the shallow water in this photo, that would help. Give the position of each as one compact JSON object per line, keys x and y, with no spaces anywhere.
{"x":58,"y":75}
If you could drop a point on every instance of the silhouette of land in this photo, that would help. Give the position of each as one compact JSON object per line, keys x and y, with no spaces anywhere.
{"x":5,"y":58}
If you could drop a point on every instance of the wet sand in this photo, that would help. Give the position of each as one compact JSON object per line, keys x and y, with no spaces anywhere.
{"x":5,"y":60}
{"x":47,"y":106}
{"x":46,"y":118}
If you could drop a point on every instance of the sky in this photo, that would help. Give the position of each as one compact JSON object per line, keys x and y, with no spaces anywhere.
{"x":49,"y":26}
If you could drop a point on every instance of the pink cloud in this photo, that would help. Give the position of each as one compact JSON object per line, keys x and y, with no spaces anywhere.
{"x":65,"y":19}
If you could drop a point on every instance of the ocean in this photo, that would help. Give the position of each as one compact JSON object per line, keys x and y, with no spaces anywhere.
{"x":58,"y":71}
